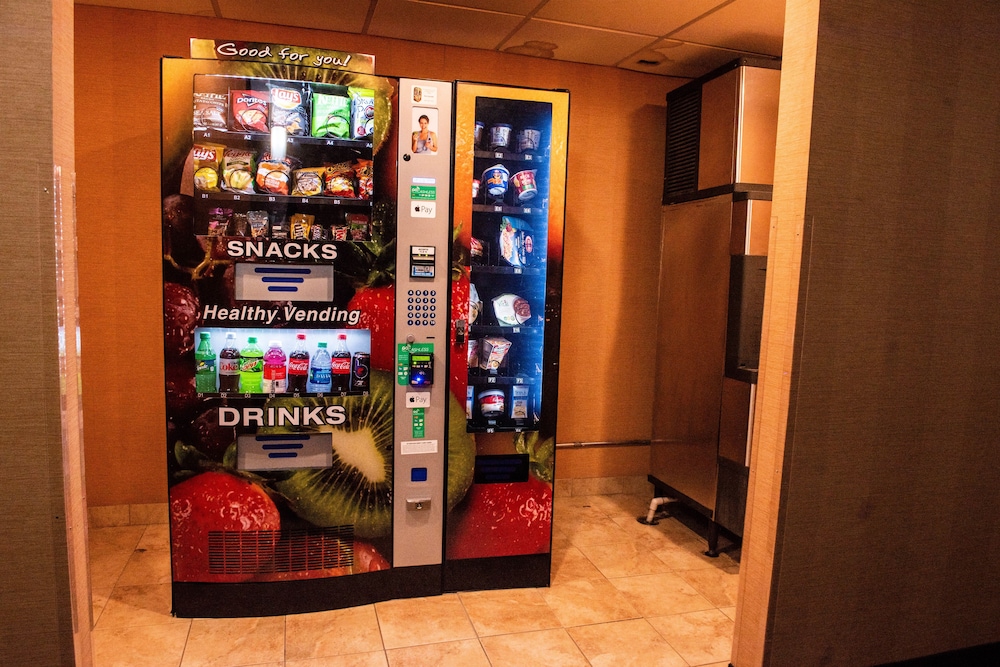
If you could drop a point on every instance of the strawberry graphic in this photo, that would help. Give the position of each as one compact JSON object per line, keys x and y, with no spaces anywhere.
{"x":377,"y":306}
{"x":371,"y":266}
{"x":507,"y":518}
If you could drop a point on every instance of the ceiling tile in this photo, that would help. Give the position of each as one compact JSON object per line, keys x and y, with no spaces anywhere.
{"x":192,"y":7}
{"x":648,"y":17}
{"x":673,"y":58}
{"x":339,"y":16}
{"x":754,"y":26}
{"x":578,"y":43}
{"x":521,"y":7}
{"x":440,"y":24}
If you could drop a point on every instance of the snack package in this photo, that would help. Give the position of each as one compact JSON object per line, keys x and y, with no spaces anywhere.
{"x":338,"y":181}
{"x":207,"y":158}
{"x":301,"y":223}
{"x":357,"y":225}
{"x":318,"y":232}
{"x":210,"y":111}
{"x":515,"y":242}
{"x":493,"y":353}
{"x":511,"y":310}
{"x":274,"y":176}
{"x":259,"y":224}
{"x":218,"y":221}
{"x":249,"y":111}
{"x":473,"y":355}
{"x":475,"y":304}
{"x":339,"y":232}
{"x":308,"y":181}
{"x":479,"y":251}
{"x":239,"y":225}
{"x":279,"y":229}
{"x":364,"y":172}
{"x":331,"y":115}
{"x":362,"y":112}
{"x":237,"y":170}
{"x":519,"y":401}
{"x":288,"y":109}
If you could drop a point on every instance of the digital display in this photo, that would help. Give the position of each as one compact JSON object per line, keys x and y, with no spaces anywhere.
{"x":420,"y":357}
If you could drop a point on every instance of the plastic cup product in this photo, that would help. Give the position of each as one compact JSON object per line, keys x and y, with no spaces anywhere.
{"x":500,"y":135}
{"x":477,"y":137}
{"x":524,"y":185}
{"x":496,"y":179}
{"x":528,"y":140}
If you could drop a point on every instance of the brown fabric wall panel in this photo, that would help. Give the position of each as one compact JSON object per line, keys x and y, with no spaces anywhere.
{"x":887,"y":535}
{"x":613,"y":210}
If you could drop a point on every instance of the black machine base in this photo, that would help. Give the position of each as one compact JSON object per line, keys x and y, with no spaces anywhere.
{"x":212,"y":600}
{"x":476,"y":574}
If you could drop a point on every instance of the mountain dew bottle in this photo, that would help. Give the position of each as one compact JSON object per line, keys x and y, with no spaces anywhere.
{"x":251,"y":367}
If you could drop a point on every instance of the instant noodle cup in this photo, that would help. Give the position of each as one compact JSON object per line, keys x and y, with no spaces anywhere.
{"x":495,"y":179}
{"x":528,"y":140}
{"x":525,"y":187}
{"x":500,"y":135}
{"x":477,"y":136}
{"x":491,"y":403}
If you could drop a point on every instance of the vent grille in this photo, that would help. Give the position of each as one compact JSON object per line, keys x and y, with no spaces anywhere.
{"x":683,"y":133}
{"x":271,"y":551}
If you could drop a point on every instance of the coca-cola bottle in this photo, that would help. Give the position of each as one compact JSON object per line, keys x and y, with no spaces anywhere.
{"x":229,"y":365}
{"x":340,"y":366}
{"x":298,"y":366}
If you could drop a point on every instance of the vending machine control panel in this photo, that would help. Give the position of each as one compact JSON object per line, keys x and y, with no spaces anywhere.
{"x":421,"y":369}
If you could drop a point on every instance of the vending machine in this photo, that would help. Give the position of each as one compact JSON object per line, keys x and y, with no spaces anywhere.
{"x":360,"y":363}
{"x":509,"y":203}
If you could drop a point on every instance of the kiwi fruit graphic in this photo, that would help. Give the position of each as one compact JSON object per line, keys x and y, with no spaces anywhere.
{"x":357,"y":489}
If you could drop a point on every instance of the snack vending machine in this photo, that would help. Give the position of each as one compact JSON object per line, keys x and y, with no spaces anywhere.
{"x":305,"y":287}
{"x":509,"y":202}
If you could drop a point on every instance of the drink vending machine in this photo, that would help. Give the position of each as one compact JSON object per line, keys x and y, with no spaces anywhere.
{"x":320,"y":440}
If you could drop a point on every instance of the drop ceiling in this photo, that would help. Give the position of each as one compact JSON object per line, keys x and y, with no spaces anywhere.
{"x":684,"y":38}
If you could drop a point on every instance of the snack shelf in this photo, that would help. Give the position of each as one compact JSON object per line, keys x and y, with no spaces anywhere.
{"x":262,"y":137}
{"x":502,"y":330}
{"x":504,"y":155}
{"x":505,"y":380}
{"x":508,"y":210}
{"x":283,"y":199}
{"x":507,"y":270}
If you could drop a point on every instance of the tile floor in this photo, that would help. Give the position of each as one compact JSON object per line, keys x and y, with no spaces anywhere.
{"x":622,"y":593}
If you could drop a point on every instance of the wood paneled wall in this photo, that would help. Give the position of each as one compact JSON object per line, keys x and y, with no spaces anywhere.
{"x":873,"y":535}
{"x":612,"y":220}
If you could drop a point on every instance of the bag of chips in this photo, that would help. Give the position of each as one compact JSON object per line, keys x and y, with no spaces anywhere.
{"x":357,"y":225}
{"x":288,"y":109}
{"x":274,"y":176}
{"x":362,"y":112}
{"x":249,"y":109}
{"x":210,"y":110}
{"x":207,"y":158}
{"x":237,"y":170}
{"x":363,"y":171}
{"x":338,"y":181}
{"x":308,"y":181}
{"x":331,"y":115}
{"x":259,"y":224}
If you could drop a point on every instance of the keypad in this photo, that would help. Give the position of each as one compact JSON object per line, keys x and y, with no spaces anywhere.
{"x":421,"y":307}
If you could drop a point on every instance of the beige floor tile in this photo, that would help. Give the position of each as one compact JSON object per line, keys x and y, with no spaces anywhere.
{"x":107,"y":516}
{"x":506,"y":611}
{"x":465,"y":653}
{"x":623,"y":559}
{"x":602,"y":531}
{"x":228,"y":642}
{"x":109,"y":552}
{"x":146,"y":646}
{"x":423,"y":621}
{"x":131,"y":606}
{"x":98,"y":601}
{"x":585,"y":602}
{"x":571,"y":565}
{"x":156,"y":537}
{"x":650,"y":537}
{"x":330,"y":633}
{"x":621,"y":505}
{"x":147,"y":514}
{"x":597,"y":486}
{"x":114,"y":539}
{"x":373,"y":659}
{"x":701,"y":637}
{"x":729,"y":611}
{"x":146,"y":567}
{"x":719,"y":585}
{"x":661,"y":594}
{"x":690,"y":556}
{"x":551,"y":648}
{"x":560,"y":539}
{"x":625,"y":644}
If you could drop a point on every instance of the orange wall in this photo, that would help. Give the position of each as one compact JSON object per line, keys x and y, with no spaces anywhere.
{"x":612,"y":223}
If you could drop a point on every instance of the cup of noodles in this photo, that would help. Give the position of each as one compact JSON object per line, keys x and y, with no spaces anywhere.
{"x":524,"y":184}
{"x":496,"y":179}
{"x":492,"y":403}
{"x":528,"y":140}
{"x":477,"y":135}
{"x":500,"y":135}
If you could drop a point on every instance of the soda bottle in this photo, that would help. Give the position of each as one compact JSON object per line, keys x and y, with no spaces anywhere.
{"x":340,"y":366}
{"x":360,"y":367}
{"x":204,"y":373}
{"x":251,"y":367}
{"x":298,"y":366}
{"x":275,"y":373}
{"x":229,"y":365}
{"x":319,"y":371}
